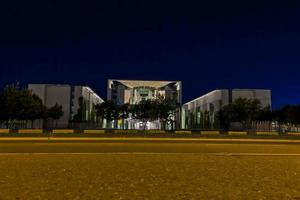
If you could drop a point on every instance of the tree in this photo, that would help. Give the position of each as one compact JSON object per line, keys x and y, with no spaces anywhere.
{"x":19,"y":104}
{"x":11,"y":109}
{"x":32,"y":107}
{"x":242,"y":110}
{"x":144,"y":111}
{"x":206,"y":120}
{"x":100,"y":112}
{"x":265,"y":114}
{"x":42,"y":115}
{"x":93,"y":117}
{"x":161,"y":108}
{"x":55,"y":112}
{"x":165,"y":108}
{"x":293,"y":114}
{"x":80,"y":115}
{"x":106,"y":110}
{"x":2,"y":113}
{"x":124,"y":113}
{"x":287,"y":114}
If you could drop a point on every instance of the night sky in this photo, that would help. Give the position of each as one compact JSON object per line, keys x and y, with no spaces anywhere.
{"x":205,"y":44}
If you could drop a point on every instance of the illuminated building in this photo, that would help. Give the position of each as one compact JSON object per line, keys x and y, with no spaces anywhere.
{"x":134,"y":91}
{"x":68,"y":97}
{"x":205,"y":108}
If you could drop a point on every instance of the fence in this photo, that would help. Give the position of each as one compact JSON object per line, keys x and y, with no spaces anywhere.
{"x":258,"y":126}
{"x":275,"y":126}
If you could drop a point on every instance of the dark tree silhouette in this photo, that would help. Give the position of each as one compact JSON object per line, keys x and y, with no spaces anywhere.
{"x":55,"y":113}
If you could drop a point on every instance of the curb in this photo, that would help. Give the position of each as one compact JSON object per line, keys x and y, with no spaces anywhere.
{"x":90,"y":139}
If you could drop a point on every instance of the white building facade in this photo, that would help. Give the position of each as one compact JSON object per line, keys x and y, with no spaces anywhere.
{"x":208,"y":105}
{"x":68,"y":97}
{"x":135,"y":91}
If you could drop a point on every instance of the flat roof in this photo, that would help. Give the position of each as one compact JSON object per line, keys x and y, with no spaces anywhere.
{"x":141,"y":83}
{"x":236,"y":89}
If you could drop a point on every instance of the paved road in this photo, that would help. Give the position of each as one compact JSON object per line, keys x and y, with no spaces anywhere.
{"x":123,"y":169}
{"x":150,"y":146}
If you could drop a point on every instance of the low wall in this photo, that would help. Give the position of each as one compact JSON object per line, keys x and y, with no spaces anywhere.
{"x":4,"y":131}
{"x":94,"y":131}
{"x":266,"y":133}
{"x":54,"y":131}
{"x":237,"y":132}
{"x":183,"y":132}
{"x":210,"y":132}
{"x":35,"y":131}
{"x":294,"y":133}
{"x":42,"y":132}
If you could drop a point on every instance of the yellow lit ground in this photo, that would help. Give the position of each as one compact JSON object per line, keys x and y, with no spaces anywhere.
{"x":193,"y":171}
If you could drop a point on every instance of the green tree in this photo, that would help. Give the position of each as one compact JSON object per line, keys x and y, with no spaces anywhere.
{"x":55,"y":113}
{"x":32,"y":106}
{"x":19,"y":104}
{"x":106,"y":110}
{"x":11,"y":108}
{"x":287,"y":114}
{"x":165,"y":110}
{"x":265,"y":114}
{"x":124,"y":113}
{"x":206,"y":120}
{"x":42,"y":115}
{"x":242,"y":110}
{"x":93,"y":117}
{"x":161,"y":108}
{"x":144,"y":111}
{"x":100,"y":112}
{"x":81,"y":112}
{"x":2,"y":112}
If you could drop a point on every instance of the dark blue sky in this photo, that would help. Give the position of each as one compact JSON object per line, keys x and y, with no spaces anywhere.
{"x":205,"y":44}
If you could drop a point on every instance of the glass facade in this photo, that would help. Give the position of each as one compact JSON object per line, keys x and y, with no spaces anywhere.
{"x":135,"y":91}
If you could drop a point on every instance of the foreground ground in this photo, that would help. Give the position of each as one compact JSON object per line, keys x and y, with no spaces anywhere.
{"x":149,"y":170}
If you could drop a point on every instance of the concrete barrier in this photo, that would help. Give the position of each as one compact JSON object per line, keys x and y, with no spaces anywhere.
{"x":25,"y":131}
{"x":237,"y":133}
{"x":126,"y":131}
{"x":4,"y":131}
{"x":210,"y":132}
{"x":156,"y":132}
{"x":94,"y":131}
{"x":266,"y":133}
{"x":294,"y":133}
{"x":62,"y":131}
{"x":183,"y":132}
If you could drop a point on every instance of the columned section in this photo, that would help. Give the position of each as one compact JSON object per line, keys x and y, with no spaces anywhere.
{"x":134,"y":91}
{"x":202,"y":112}
{"x":70,"y":98}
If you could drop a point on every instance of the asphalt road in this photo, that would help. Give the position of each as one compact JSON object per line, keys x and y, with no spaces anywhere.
{"x":149,"y":170}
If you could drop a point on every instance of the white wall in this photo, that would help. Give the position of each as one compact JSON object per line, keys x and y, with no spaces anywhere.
{"x":60,"y":95}
{"x":213,"y":98}
{"x":216,"y":96}
{"x":264,"y":96}
{"x":39,"y":90}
